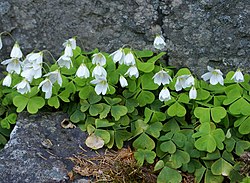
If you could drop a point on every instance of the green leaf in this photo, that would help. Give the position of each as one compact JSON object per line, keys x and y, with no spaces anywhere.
{"x":99,"y":123}
{"x":218,"y":113}
{"x":77,"y":116}
{"x":64,"y":96}
{"x":112,"y":101}
{"x":147,"y":82}
{"x":105,"y":111}
{"x":3,"y":140}
{"x":168,"y":146}
{"x":20,"y":102}
{"x":141,"y":155}
{"x":203,"y":114}
{"x":169,"y":175}
{"x":144,"y":142}
{"x":199,"y":174}
{"x":145,"y":97}
{"x":211,"y":178}
{"x":54,"y":102}
{"x":159,"y":165}
{"x":120,"y":137}
{"x":86,"y":91}
{"x":11,"y":118}
{"x":95,"y":109}
{"x":84,"y":105}
{"x":241,"y":146}
{"x":241,"y":106}
{"x":34,"y":104}
{"x":179,"y":158}
{"x":154,"y":129}
{"x":117,"y":111}
{"x":245,"y":127}
{"x":176,"y":110}
{"x":94,"y":98}
{"x":202,"y":94}
{"x":221,"y":167}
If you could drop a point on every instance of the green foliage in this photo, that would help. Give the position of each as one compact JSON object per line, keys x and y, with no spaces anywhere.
{"x":201,"y":136}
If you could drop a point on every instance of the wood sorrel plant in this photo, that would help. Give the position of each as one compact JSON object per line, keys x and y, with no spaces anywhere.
{"x":172,"y":119}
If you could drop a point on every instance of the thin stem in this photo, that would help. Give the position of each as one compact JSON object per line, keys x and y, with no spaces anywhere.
{"x":47,"y":51}
{"x":9,"y":34}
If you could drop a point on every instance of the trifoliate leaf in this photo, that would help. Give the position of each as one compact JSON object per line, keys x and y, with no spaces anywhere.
{"x":85,"y":92}
{"x":179,"y":158}
{"x":210,"y":177}
{"x":218,"y":113}
{"x":145,"y":97}
{"x":77,"y":116}
{"x":203,"y":114}
{"x":146,"y":67}
{"x":147,"y":82}
{"x":20,"y":102}
{"x":120,"y":137}
{"x":154,"y":129}
{"x":240,"y":106}
{"x":95,"y":109}
{"x":105,"y":111}
{"x":54,"y":102}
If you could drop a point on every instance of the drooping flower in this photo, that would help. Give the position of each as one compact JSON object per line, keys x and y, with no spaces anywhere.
{"x":129,"y":59}
{"x":34,"y":58}
{"x":162,"y":77}
{"x":159,"y":42}
{"x":132,"y":71}
{"x":46,"y":87}
{"x":184,"y":81}
{"x":193,"y":93}
{"x":99,"y":71}
{"x":1,"y":43}
{"x":164,"y":95}
{"x":82,"y":71}
{"x":23,"y":87}
{"x":214,"y":76}
{"x":69,"y":45}
{"x":123,"y":81}
{"x":118,"y":56}
{"x":238,"y":76}
{"x":13,"y":65}
{"x":16,"y":51}
{"x":71,"y":42}
{"x":64,"y":61}
{"x":54,"y":76}
{"x":7,"y":80}
{"x":99,"y":59}
{"x":101,"y":85}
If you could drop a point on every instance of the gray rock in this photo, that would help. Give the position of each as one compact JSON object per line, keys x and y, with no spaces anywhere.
{"x":30,"y":157}
{"x":198,"y":33}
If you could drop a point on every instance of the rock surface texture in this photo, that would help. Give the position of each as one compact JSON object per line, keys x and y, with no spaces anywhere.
{"x":198,"y":33}
{"x":38,"y":150}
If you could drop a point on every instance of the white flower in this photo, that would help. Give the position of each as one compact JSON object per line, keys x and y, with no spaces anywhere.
{"x":118,"y":56}
{"x":99,"y":71}
{"x":184,"y":81}
{"x":159,"y":42}
{"x":99,"y":59}
{"x":16,"y":51}
{"x":1,"y":43}
{"x":162,"y":77}
{"x":30,"y":73}
{"x":54,"y":76}
{"x":23,"y":87}
{"x":123,"y":82}
{"x":193,"y":93}
{"x":238,"y":76}
{"x":129,"y":59}
{"x":214,"y":76}
{"x":68,"y":52}
{"x":101,"y":85}
{"x":82,"y":71}
{"x":71,"y":42}
{"x":14,"y":65}
{"x":132,"y":71}
{"x":164,"y":95}
{"x":46,"y":87}
{"x":33,"y":60}
{"x":64,"y":61}
{"x":7,"y":80}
